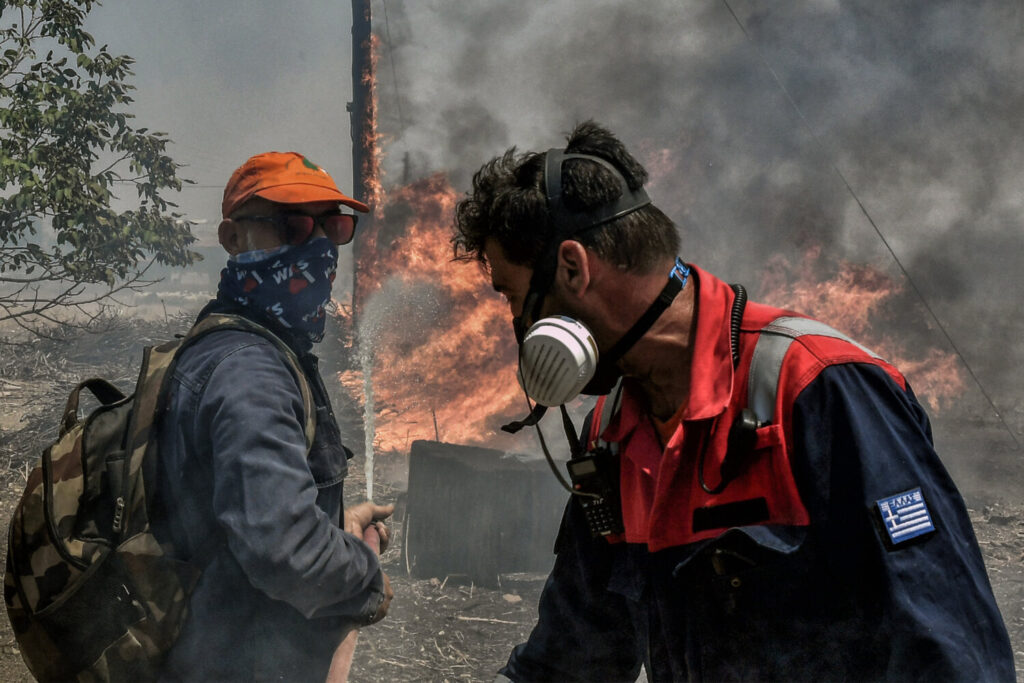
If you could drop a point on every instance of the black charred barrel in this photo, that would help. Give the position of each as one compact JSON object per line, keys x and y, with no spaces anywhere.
{"x":478,"y":513}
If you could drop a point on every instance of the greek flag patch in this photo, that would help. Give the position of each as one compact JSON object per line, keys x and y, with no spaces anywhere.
{"x":905,"y":516}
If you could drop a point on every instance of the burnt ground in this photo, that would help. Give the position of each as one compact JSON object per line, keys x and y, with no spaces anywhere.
{"x":442,"y":628}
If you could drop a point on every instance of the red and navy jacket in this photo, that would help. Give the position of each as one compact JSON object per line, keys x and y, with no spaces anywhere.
{"x":841,"y":550}
{"x":656,"y":476}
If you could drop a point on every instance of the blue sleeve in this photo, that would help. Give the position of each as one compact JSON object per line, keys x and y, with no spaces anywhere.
{"x":584,"y":632}
{"x":264,"y":494}
{"x":860,"y":438}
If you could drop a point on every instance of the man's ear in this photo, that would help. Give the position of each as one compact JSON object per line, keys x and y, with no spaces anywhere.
{"x":573,"y":271}
{"x":229,"y":236}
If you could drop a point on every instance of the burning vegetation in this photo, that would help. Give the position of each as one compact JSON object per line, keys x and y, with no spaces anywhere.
{"x":437,"y":339}
{"x":434,"y":357}
{"x":436,"y":360}
{"x":855,"y":299}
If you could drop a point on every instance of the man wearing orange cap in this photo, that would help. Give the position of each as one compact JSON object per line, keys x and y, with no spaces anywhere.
{"x":286,"y":573}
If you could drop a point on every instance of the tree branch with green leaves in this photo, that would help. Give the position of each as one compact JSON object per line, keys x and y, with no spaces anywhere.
{"x":68,"y":242}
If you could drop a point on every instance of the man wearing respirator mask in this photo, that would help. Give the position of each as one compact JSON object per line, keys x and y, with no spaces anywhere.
{"x":758,"y":498}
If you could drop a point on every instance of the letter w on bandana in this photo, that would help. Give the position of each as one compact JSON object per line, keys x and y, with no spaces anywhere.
{"x":293,"y":287}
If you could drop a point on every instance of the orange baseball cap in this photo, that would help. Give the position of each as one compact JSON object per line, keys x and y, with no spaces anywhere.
{"x":283,"y":177}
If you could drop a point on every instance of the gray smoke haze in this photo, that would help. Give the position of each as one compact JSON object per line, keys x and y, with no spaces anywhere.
{"x":916,"y":104}
{"x":227,"y":80}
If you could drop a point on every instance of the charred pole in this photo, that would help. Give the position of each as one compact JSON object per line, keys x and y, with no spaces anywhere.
{"x":362,"y":117}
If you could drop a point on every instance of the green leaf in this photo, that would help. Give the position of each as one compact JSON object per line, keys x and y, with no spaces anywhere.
{"x":63,"y":120}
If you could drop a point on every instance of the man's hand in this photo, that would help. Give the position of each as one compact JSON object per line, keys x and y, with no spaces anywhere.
{"x":362,"y":522}
{"x":359,"y":517}
{"x":386,"y":603}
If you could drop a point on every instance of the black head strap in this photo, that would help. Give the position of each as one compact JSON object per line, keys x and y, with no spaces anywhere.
{"x":567,"y":222}
{"x":676,"y":281}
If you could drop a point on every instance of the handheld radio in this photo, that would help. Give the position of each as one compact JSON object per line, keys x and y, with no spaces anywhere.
{"x":595,"y":477}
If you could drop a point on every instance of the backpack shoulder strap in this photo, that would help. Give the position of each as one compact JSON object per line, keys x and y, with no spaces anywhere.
{"x":157,"y":369}
{"x":769,"y":352}
{"x":226,"y":321}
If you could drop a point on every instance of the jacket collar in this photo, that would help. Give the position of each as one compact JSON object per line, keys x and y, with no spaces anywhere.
{"x":300,"y":346}
{"x":711,"y":371}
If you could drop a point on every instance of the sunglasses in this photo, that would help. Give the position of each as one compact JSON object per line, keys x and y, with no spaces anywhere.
{"x":295,"y":228}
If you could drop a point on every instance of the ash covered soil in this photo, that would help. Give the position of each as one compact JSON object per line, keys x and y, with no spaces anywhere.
{"x":441,"y":628}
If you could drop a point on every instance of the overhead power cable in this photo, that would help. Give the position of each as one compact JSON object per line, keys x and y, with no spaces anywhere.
{"x":394,"y":73}
{"x":874,"y":225}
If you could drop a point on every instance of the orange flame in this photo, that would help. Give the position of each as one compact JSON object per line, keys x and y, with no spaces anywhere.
{"x":850,"y":301}
{"x":429,"y":370}
{"x":372,"y":173}
{"x":439,"y":338}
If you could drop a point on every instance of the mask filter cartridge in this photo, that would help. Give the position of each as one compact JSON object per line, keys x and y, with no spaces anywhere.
{"x":557,"y":358}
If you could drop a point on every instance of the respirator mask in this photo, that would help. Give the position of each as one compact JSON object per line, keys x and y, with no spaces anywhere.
{"x":557,"y":359}
{"x":558,"y":356}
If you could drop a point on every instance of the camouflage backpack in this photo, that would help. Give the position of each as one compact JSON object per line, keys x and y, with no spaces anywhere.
{"x":90,"y":592}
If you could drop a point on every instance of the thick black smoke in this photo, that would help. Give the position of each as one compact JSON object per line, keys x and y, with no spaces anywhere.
{"x":753,"y":118}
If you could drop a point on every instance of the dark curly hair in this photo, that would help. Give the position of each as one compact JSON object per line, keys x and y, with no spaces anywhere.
{"x":508,"y":203}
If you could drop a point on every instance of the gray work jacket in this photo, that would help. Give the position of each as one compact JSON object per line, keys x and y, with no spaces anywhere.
{"x":238,"y":492}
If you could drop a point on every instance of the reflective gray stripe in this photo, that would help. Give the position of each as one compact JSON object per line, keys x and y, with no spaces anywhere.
{"x":765,"y":367}
{"x":771,"y":348}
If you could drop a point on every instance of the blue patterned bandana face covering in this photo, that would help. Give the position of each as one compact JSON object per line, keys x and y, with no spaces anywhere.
{"x":292,"y":286}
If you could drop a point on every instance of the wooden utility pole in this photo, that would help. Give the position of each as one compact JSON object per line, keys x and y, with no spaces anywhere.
{"x":363,"y":115}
